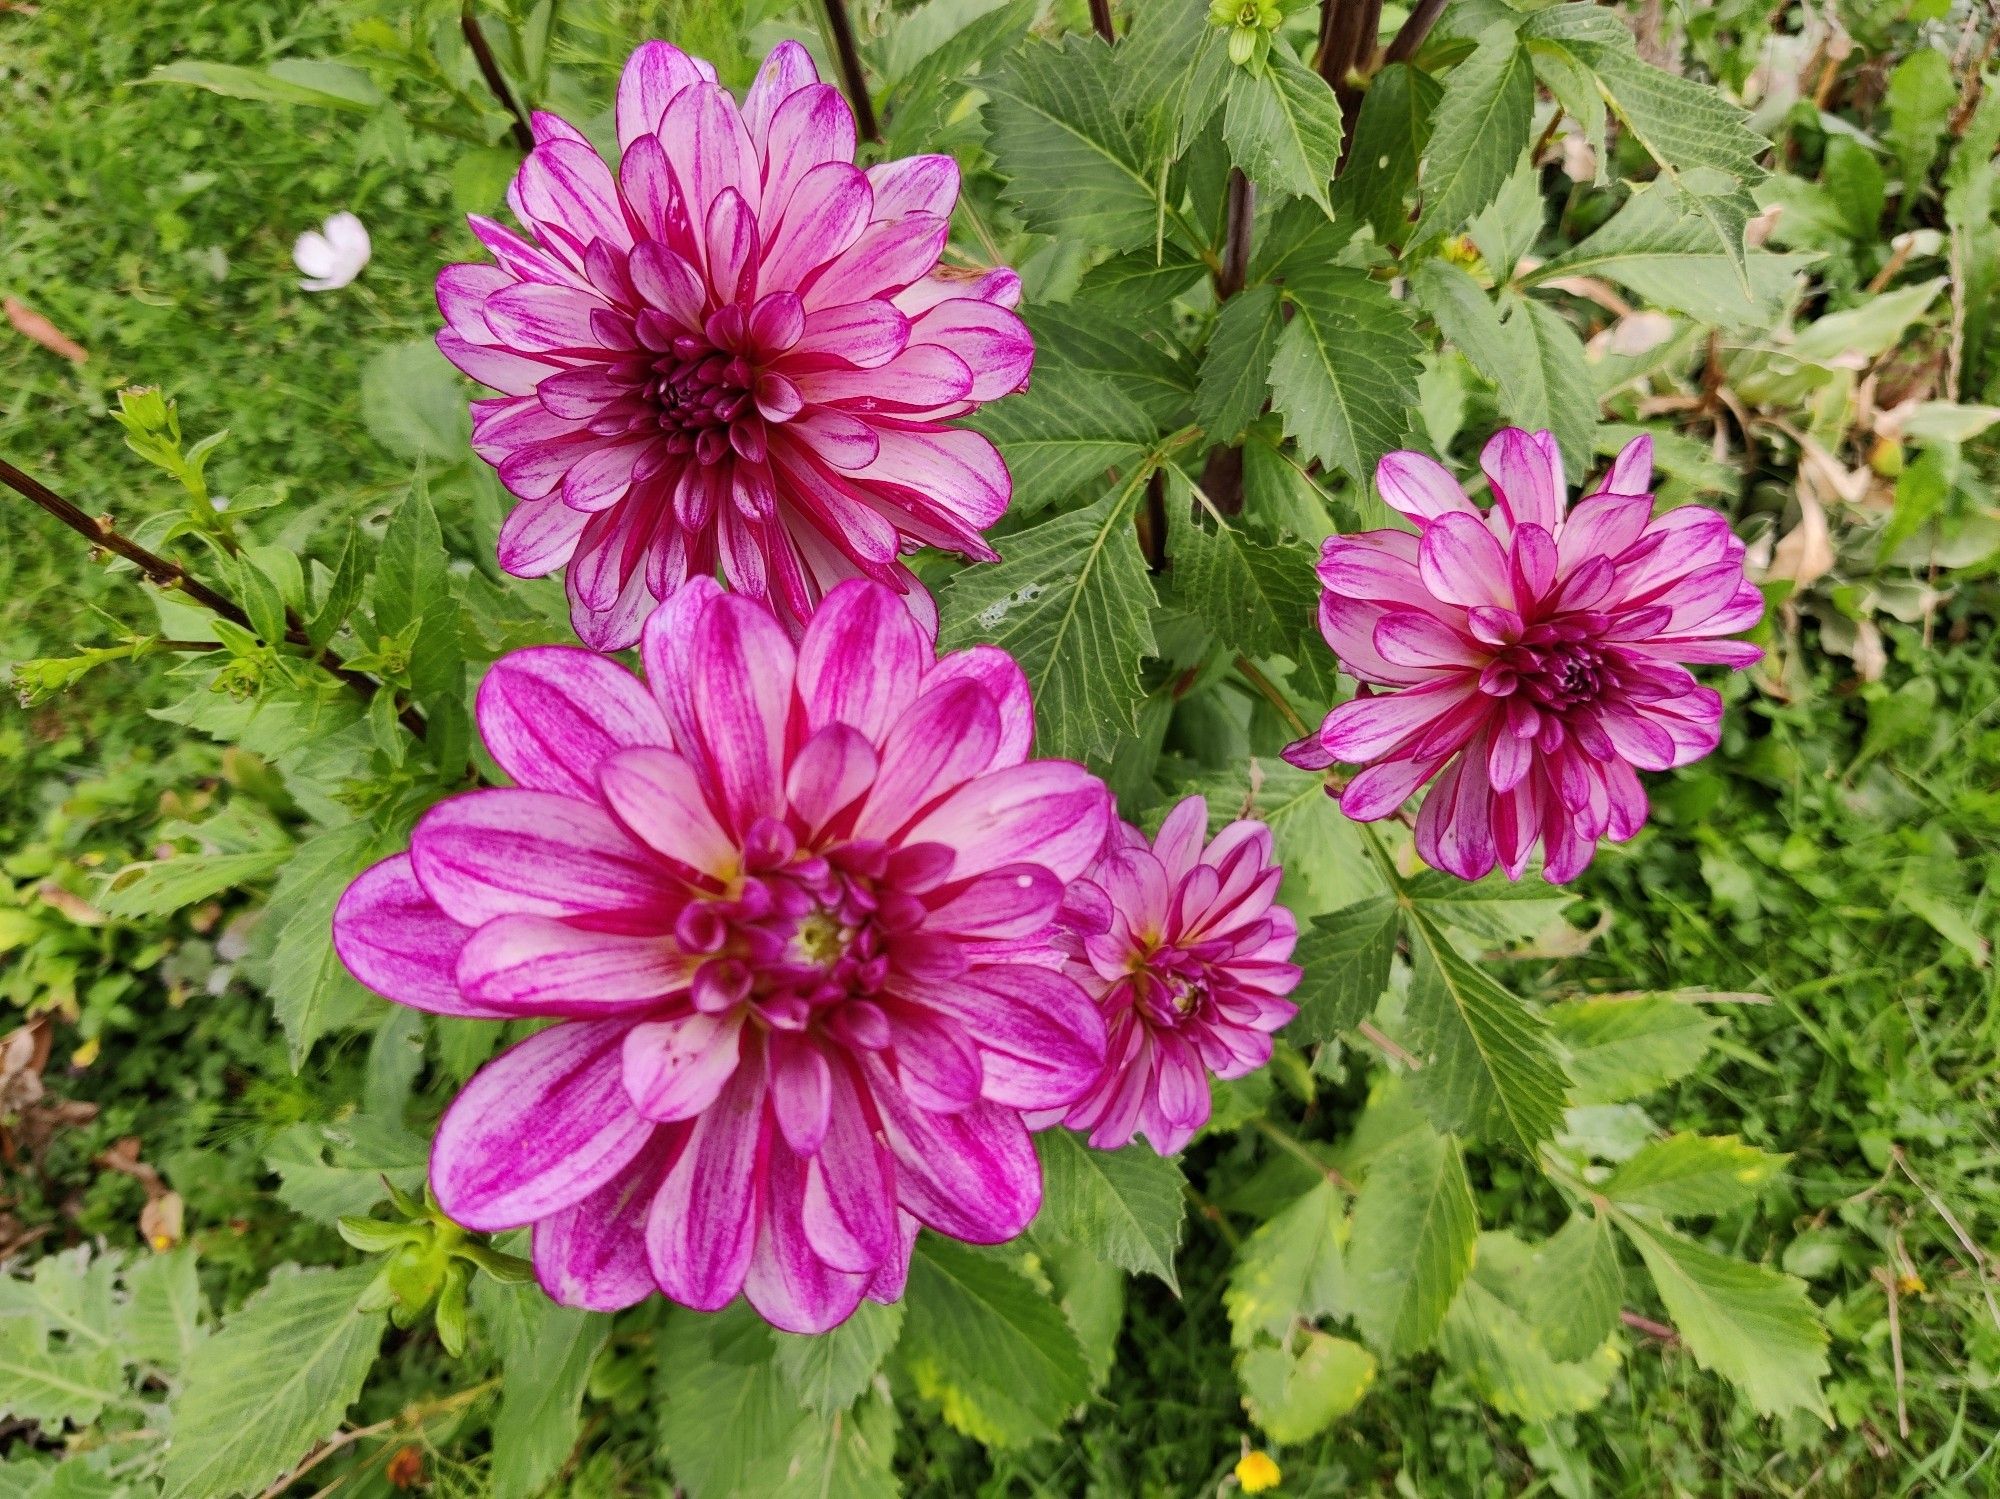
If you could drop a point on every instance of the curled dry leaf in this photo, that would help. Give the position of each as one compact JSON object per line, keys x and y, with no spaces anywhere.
{"x":31,"y":324}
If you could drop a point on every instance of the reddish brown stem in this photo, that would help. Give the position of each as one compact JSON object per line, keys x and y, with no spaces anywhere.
{"x":1239,"y":219}
{"x":1414,"y":30}
{"x":496,"y":81}
{"x":1100,"y":19}
{"x":849,"y":54}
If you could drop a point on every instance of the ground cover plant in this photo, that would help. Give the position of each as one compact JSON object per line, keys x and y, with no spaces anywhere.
{"x":1137,"y":748}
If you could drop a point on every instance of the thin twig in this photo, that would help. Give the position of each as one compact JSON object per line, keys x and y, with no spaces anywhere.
{"x":172,"y":577}
{"x":1889,"y":1289}
{"x":1971,"y":1246}
{"x":1383,"y":1042}
{"x":1294,"y":1147}
{"x":1268,"y":690}
{"x":496,"y":81}
{"x":416,"y":1415}
{"x":851,"y":73}
{"x":1414,"y":31}
{"x":1100,"y":20}
{"x":1649,"y":1327}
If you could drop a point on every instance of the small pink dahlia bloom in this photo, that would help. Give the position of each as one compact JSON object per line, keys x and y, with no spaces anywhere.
{"x":1187,"y":956}
{"x":736,"y":351}
{"x":1536,"y":653}
{"x":793,"y":910}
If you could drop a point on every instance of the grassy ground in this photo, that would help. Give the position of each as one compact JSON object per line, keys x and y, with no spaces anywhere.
{"x":1816,"y":861}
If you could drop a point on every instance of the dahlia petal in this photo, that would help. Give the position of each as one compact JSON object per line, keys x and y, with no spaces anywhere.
{"x":829,"y":774}
{"x":395,"y":939}
{"x":1000,"y":675}
{"x":732,"y":247}
{"x":950,"y":471}
{"x":849,"y":1206}
{"x":1508,"y":761}
{"x":1377,"y":567}
{"x":1631,"y":471}
{"x":1369,"y":727}
{"x":944,"y":738}
{"x":654,"y":73}
{"x":1532,"y":564}
{"x":502,"y":369}
{"x":703,"y":1224}
{"x":518,"y":257}
{"x":1455,"y":828}
{"x":920,"y":379}
{"x":786,"y":69}
{"x":1461,"y":563}
{"x":992,"y":341}
{"x":667,"y":652}
{"x":914,"y":184}
{"x":742,"y":696}
{"x":936,"y":1062}
{"x":1041,"y":1040}
{"x":1406,"y":638}
{"x":1047,"y":812}
{"x":565,"y":192}
{"x":1420,"y":487}
{"x":541,"y":965}
{"x":712,"y":150}
{"x":550,"y":715}
{"x":540,"y":1127}
{"x":837,"y":439}
{"x":1643,"y":743}
{"x":1526,"y":475}
{"x":866,"y":335}
{"x":659,"y":798}
{"x":972,"y":1174}
{"x":1603,"y":525}
{"x":674,"y":1069}
{"x":861,"y":660}
{"x":801,"y":1093}
{"x":885,"y":258}
{"x":538,"y":537}
{"x":811,"y":127}
{"x":1005,"y":903}
{"x":791,"y":1287}
{"x":827,"y":212}
{"x":483,"y":854}
{"x":592,"y":1254}
{"x":540,"y":319}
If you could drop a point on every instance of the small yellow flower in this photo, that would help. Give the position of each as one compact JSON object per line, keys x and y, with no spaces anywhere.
{"x":1909,"y":1283}
{"x":1257,"y":1472}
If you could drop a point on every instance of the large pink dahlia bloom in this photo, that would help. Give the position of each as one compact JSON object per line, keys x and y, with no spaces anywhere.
{"x":792,"y":908}
{"x":1536,"y":654}
{"x":738,"y":350}
{"x":1187,"y":955}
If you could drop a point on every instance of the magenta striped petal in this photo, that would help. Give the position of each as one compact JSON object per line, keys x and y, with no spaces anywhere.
{"x":501,"y":853}
{"x":395,"y":939}
{"x":592,"y":1253}
{"x":551,"y":715}
{"x":541,"y":965}
{"x":703,"y":1224}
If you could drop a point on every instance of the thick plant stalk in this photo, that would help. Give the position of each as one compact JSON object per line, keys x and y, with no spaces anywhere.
{"x":496,"y":81}
{"x":1222,"y":471}
{"x":856,"y":80}
{"x":169,"y":575}
{"x":1414,"y":31}
{"x":1100,"y":19}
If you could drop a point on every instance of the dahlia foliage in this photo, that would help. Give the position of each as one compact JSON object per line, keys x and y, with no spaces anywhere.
{"x":1186,"y":953}
{"x":736,"y":352}
{"x":792,"y":909}
{"x":1535,"y":654}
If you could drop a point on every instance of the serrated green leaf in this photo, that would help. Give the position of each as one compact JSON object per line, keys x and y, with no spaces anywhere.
{"x":311,"y":992}
{"x":1752,"y":1325}
{"x":164,"y":1321}
{"x":329,"y":1171}
{"x":1138,"y":284}
{"x":1489,"y":1067}
{"x":1552,"y":389}
{"x":1296,"y":1397}
{"x":1920,"y":98}
{"x":1466,"y":316}
{"x":413,"y":403}
{"x":1172,"y":72}
{"x":277,"y":1378}
{"x":54,"y":1381}
{"x":1283,"y":128}
{"x":1290,"y":1270}
{"x":1488,"y":1339}
{"x":1660,"y":248}
{"x":1092,"y":1293}
{"x":1688,"y":1174}
{"x":851,"y":1456}
{"x":1389,"y":139}
{"x":541,"y":1393}
{"x":1072,"y":602}
{"x":1345,"y":372}
{"x":830,"y":1371}
{"x":1495,"y":910}
{"x":1126,"y":1206}
{"x":1619,"y":1049}
{"x":979,"y":1339}
{"x":1256,"y":597}
{"x":1574,"y":1288}
{"x":1479,"y":129}
{"x":1065,"y":431}
{"x":1137,"y":356}
{"x":1345,"y":956}
{"x":1414,"y":1225}
{"x":1073,"y":166}
{"x":156,"y":887}
{"x":343,"y":591}
{"x":1236,"y":369}
{"x":724,"y":1407}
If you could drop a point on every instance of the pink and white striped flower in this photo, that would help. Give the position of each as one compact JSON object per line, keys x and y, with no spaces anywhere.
{"x":1188,"y":956}
{"x":793,"y":909}
{"x":736,"y":351}
{"x":1535,"y":654}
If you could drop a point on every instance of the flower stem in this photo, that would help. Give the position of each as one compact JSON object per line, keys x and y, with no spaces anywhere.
{"x":496,"y":81}
{"x":1423,"y":16}
{"x":173,"y":578}
{"x":849,"y":54}
{"x":1292,"y":1145}
{"x":1100,"y":19}
{"x":1268,"y":690}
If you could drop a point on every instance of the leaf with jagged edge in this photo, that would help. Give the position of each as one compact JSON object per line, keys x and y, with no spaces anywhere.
{"x":1490,"y":1068}
{"x":1688,"y":1174}
{"x":1478,"y":131}
{"x":1173,"y":72}
{"x":1293,"y":1398}
{"x":1062,"y":433}
{"x":1072,"y":602}
{"x":1345,"y":371}
{"x":1414,"y":1226}
{"x":1754,"y":1326}
{"x":1257,"y":597}
{"x":1573,"y":1289}
{"x":1555,"y":390}
{"x":1345,"y":957}
{"x":1283,"y":128}
{"x":1126,"y":1206}
{"x":1236,"y":369}
{"x":1132,"y":354}
{"x":1390,"y":135}
{"x":1489,"y":1338}
{"x":831,"y":1369}
{"x":1618,"y":1049}
{"x":1290,"y":1270}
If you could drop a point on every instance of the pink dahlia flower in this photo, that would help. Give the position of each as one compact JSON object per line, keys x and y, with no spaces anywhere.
{"x":792,"y":910}
{"x":736,"y":351}
{"x":1186,"y":954}
{"x":1536,"y":654}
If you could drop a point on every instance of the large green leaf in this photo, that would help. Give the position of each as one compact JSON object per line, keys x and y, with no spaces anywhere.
{"x":829,"y":1371}
{"x":995,"y":1353}
{"x":1345,"y":956}
{"x":1236,"y":370}
{"x":1489,"y":1067}
{"x":277,"y":1378}
{"x":1257,"y":597}
{"x":1688,"y":1174}
{"x":1506,"y":1354}
{"x":310,"y":990}
{"x":1345,"y":372}
{"x":1574,"y":1289}
{"x":725,"y":1410}
{"x":544,"y":1369}
{"x":52,"y":1381}
{"x":1290,"y":1270}
{"x":1065,"y":431}
{"x":1072,"y":603}
{"x":1389,"y":140}
{"x":1073,"y":166}
{"x":1478,"y":131}
{"x":1619,"y":1049}
{"x":1414,"y":1225}
{"x":1750,"y":1324}
{"x":1126,"y":1206}
{"x":1552,"y":389}
{"x":1283,"y":127}
{"x":1293,"y":1397}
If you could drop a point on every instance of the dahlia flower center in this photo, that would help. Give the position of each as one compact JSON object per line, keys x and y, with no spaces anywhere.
{"x":1555,"y":667}
{"x":701,"y":397}
{"x":1169,"y":986}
